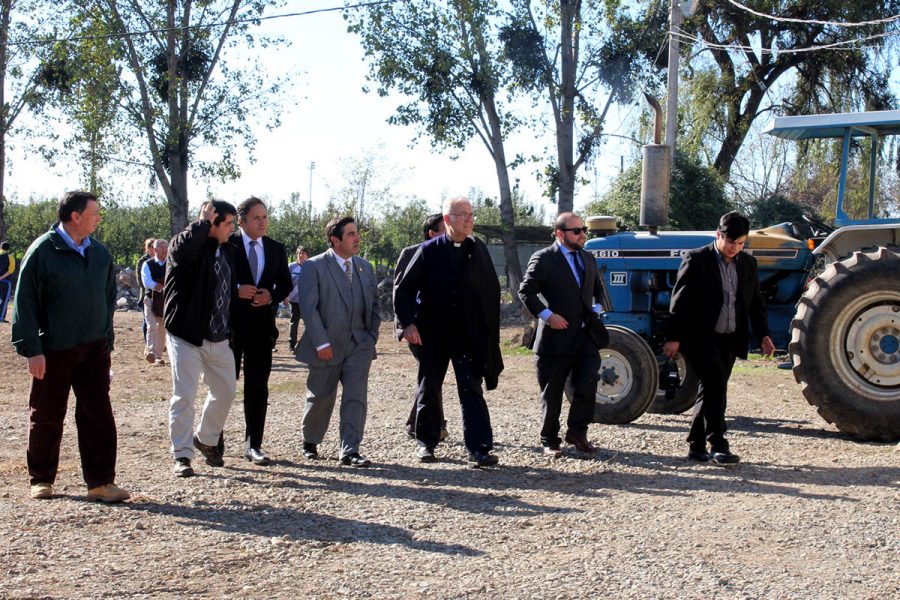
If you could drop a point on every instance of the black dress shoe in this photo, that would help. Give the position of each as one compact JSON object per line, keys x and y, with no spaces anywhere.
{"x":480,"y":458}
{"x":182,"y":467}
{"x":256,"y":456}
{"x":309,"y":451}
{"x":698,"y":453}
{"x":425,"y":454}
{"x":355,"y":460}
{"x":210,"y":453}
{"x":725,"y":457}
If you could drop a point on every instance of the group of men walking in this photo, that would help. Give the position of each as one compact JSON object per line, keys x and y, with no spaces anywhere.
{"x":219,"y":291}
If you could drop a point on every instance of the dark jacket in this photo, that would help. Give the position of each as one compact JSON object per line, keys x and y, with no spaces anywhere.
{"x":697,"y":301}
{"x":191,"y":280}
{"x":478,"y":304}
{"x":63,"y":299}
{"x":249,"y":321}
{"x":405,"y":256}
{"x":549,"y":275}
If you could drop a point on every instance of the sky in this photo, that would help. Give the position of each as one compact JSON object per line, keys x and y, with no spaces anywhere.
{"x":326,"y":118}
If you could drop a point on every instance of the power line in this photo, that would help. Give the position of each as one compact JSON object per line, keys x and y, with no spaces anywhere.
{"x":841,"y":45}
{"x":815,"y":21}
{"x":79,"y":38}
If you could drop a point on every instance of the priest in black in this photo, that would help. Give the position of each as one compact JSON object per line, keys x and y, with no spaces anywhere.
{"x":457,"y":320}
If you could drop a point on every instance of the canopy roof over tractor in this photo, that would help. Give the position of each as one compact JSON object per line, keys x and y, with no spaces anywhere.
{"x":881,"y":123}
{"x":874,"y":124}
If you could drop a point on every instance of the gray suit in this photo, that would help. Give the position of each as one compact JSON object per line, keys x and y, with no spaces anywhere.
{"x":345,"y":316}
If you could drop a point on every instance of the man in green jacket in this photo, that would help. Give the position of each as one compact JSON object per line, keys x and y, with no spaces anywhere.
{"x":63,"y":324}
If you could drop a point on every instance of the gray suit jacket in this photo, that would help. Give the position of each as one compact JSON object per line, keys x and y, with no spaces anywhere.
{"x":325,"y":304}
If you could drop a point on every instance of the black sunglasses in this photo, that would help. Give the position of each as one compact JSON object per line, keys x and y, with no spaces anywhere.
{"x":574,"y":229}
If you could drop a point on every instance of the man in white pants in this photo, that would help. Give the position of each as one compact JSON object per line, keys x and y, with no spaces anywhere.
{"x":199,"y":292}
{"x":153,"y":275}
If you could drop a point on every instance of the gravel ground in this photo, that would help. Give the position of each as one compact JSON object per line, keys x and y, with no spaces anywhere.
{"x":809,"y":513}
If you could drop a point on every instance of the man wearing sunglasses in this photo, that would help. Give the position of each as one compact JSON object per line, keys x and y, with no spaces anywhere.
{"x":562,"y":288}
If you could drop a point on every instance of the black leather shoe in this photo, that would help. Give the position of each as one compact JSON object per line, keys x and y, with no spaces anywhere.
{"x":210,"y":453}
{"x":182,"y":467}
{"x":480,"y":458}
{"x":355,"y":460}
{"x":309,"y":451}
{"x":724,"y":457}
{"x":698,"y":453}
{"x":256,"y":456}
{"x":425,"y":454}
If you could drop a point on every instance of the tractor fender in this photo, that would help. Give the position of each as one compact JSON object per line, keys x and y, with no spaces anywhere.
{"x":850,"y":238}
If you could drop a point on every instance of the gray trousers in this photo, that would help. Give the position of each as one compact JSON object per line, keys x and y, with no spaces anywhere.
{"x":321,"y":385}
{"x":215,"y":361}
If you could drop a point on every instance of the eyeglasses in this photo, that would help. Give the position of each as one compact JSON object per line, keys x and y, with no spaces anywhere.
{"x":464,"y":216}
{"x":574,"y":229}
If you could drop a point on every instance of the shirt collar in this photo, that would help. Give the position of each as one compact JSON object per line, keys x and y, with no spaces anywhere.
{"x":339,"y":260}
{"x":71,"y":243}
{"x":247,"y":239}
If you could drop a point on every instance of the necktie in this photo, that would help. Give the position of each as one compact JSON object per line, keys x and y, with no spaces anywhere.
{"x":578,"y":267}
{"x":348,"y":271}
{"x":254,"y":262}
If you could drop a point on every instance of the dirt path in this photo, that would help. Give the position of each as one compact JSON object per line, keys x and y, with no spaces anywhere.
{"x":808,"y":514}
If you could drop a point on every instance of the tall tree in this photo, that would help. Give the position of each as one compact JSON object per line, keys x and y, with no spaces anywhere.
{"x":178,"y":90}
{"x":446,"y":56}
{"x":743,"y":64}
{"x":21,"y":23}
{"x":570,"y":54}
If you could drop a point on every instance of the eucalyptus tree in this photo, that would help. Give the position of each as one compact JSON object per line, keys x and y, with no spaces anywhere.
{"x":445,"y":56}
{"x":189,"y":79}
{"x":748,"y":59}
{"x":570,"y":54}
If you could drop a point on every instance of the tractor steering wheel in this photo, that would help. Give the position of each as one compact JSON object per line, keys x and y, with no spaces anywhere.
{"x":819,"y":229}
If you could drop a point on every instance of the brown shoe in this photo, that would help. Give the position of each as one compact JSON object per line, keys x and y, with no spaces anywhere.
{"x":150,"y":357}
{"x":581,"y":443}
{"x":109,"y":493}
{"x":41,"y":491}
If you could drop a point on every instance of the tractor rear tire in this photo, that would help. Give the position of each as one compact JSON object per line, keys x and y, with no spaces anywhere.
{"x":628,"y":378}
{"x":845,"y":344}
{"x":685,"y":396}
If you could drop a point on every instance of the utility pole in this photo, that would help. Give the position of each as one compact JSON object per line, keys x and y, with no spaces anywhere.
{"x":672,"y":102}
{"x":312,"y":165}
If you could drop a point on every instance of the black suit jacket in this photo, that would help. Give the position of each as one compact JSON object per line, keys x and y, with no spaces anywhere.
{"x":250,"y":322}
{"x":428,"y":276}
{"x":697,"y":301}
{"x":550,"y":283}
{"x":405,"y":256}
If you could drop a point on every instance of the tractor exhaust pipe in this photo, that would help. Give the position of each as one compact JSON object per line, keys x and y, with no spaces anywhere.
{"x":655,"y":176}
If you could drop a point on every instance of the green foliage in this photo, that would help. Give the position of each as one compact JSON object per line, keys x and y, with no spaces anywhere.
{"x":775,"y":209}
{"x":487,"y":209}
{"x":696,"y":197}
{"x":122,"y":230}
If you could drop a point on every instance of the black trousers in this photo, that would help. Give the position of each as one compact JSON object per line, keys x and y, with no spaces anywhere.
{"x":434,"y":359}
{"x":85,"y":370}
{"x":552,"y":373}
{"x":411,"y":420}
{"x":257,"y":358}
{"x":713,"y":365}
{"x":295,"y":322}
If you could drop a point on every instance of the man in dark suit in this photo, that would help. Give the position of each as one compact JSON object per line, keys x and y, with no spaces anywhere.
{"x":432,"y":227}
{"x":562,"y":288}
{"x":263,"y":279}
{"x":448,"y":303}
{"x":715,"y":295}
{"x":339,"y":306}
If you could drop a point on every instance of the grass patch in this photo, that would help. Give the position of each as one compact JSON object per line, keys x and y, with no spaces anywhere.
{"x":511,"y":348}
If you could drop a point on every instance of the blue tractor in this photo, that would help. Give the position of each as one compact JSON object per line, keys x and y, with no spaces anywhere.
{"x":840,"y":327}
